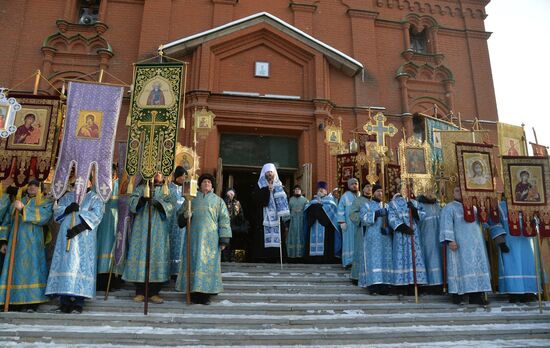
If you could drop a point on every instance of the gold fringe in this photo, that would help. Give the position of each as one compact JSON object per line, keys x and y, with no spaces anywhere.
{"x":38,"y":198}
{"x":130,"y":188}
{"x":1,"y":190}
{"x":147,"y":191}
{"x":165,"y":190}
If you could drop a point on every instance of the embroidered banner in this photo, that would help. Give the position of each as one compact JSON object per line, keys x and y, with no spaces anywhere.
{"x":30,"y":151}
{"x":433,"y":130}
{"x":526,"y":182}
{"x":539,"y":150}
{"x":511,"y":140}
{"x":154,"y":122}
{"x":476,"y":171}
{"x":89,"y":138}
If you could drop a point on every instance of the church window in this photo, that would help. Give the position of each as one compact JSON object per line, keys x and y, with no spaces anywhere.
{"x":418,"y":40}
{"x":88,"y":11}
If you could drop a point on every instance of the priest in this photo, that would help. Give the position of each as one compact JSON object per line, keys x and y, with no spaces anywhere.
{"x":73,"y":271}
{"x":159,"y":257}
{"x":321,"y":224}
{"x":29,"y":275}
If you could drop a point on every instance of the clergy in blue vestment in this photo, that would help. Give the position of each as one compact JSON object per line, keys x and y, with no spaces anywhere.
{"x":431,"y":247}
{"x":399,"y":218}
{"x":376,"y":271}
{"x":162,"y":205}
{"x":517,"y":275}
{"x":321,"y":223}
{"x":5,"y":203}
{"x":176,"y":233}
{"x":106,"y":233}
{"x":29,"y":273}
{"x":354,"y":216}
{"x":296,"y":238}
{"x":210,"y":233}
{"x":468,"y":270}
{"x":273,"y":204}
{"x":73,"y":272}
{"x":347,"y":226}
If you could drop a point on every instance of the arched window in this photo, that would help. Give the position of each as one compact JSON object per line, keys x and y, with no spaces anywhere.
{"x":418,"y":40}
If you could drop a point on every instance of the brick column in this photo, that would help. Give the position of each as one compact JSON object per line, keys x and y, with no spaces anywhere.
{"x":303,"y":16}
{"x":321,"y":165}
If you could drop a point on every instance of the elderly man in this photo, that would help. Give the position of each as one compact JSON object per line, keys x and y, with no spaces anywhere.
{"x":273,"y":204}
{"x":322,"y":224}
{"x":347,"y":226}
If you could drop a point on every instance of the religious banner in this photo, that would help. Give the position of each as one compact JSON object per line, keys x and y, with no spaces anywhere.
{"x":30,"y":151}
{"x":88,"y":138}
{"x":433,"y":128}
{"x":8,"y":109}
{"x":347,"y":168}
{"x":155,"y":110}
{"x":511,"y":140}
{"x":476,"y":173}
{"x":416,"y":165}
{"x":526,"y":182}
{"x":393,"y":179}
{"x":539,"y":150}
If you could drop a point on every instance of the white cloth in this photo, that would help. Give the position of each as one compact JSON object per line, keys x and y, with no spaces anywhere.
{"x":269,"y":167}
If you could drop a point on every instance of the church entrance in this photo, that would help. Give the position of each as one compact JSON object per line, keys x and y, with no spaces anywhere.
{"x":242,"y":159}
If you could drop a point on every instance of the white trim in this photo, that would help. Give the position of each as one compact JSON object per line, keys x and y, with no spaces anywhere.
{"x":275,"y":19}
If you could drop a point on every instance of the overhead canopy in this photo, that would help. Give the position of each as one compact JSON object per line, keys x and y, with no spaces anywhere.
{"x":335,"y":57}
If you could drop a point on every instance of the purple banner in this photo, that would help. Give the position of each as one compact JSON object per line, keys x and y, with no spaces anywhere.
{"x":89,"y":138}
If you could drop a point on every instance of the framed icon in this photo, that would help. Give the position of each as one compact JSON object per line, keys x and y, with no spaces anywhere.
{"x":261,"y":69}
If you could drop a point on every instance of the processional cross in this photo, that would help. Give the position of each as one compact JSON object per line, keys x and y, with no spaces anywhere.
{"x":149,"y":160}
{"x":380,"y":129}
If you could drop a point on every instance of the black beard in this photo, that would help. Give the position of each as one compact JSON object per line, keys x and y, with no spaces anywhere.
{"x":376,"y":199}
{"x":424,"y":199}
{"x":354,"y":191}
{"x":297,"y":195}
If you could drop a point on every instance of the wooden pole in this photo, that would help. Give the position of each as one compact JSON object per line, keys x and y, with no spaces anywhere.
{"x":111,"y":266}
{"x":537,"y":263}
{"x":101,"y":72}
{"x":36,"y":82}
{"x":188,"y":254}
{"x":413,"y":251}
{"x":444,"y":247}
{"x":280,"y":245}
{"x":12,"y":257}
{"x":148,"y":252}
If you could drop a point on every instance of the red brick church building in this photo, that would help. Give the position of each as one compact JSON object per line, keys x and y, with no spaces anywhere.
{"x":275,"y":73}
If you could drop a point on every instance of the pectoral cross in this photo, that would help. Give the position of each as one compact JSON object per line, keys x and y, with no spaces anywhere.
{"x":104,"y":189}
{"x":380,"y":129}
{"x":78,"y":184}
{"x":149,"y":161}
{"x":58,"y":186}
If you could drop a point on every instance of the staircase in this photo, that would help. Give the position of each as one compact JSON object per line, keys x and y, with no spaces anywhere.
{"x":305,"y":305}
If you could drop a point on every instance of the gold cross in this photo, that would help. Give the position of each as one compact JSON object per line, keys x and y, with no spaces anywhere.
{"x":380,"y":128}
{"x":149,"y":160}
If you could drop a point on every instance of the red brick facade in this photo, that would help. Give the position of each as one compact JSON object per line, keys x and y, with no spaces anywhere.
{"x":454,"y":72}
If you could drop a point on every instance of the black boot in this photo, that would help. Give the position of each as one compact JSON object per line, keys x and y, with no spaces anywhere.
{"x":478,"y":298}
{"x":513,"y":298}
{"x":458,"y":299}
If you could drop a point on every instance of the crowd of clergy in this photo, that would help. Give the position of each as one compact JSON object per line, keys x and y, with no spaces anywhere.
{"x":373,"y":239}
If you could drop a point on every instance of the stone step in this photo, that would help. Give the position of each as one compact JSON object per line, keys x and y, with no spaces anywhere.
{"x":187,"y":336}
{"x":301,"y":279}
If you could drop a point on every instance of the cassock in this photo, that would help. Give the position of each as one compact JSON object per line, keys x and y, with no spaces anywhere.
{"x":376,"y":266}
{"x":73,"y":273}
{"x":296,"y":238}
{"x":468,"y":267}
{"x":177,"y":234}
{"x":106,"y":232}
{"x":348,"y":235}
{"x":516,"y":268}
{"x":398,"y":218}
{"x":210,"y":226}
{"x":30,"y":274}
{"x":159,"y":271}
{"x":431,"y":247}
{"x":322,"y":222}
{"x":354,"y":216}
{"x":4,"y":208}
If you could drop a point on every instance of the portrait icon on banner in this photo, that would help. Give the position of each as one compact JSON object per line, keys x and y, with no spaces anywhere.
{"x":527,"y":184}
{"x":156,"y":93}
{"x":4,"y":109}
{"x":32,"y":129}
{"x":437,"y":138}
{"x":89,"y":124}
{"x":347,"y":173}
{"x":512,"y":147}
{"x":477,"y":171}
{"x":416,"y":161}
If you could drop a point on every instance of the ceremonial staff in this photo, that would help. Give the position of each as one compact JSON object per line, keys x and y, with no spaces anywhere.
{"x":12,"y":253}
{"x":537,"y":261}
{"x":413,"y":251}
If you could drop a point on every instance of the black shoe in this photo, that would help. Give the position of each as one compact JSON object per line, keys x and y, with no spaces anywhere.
{"x":526,"y":298}
{"x":76,"y":309}
{"x":355,"y":281}
{"x":458,"y":299}
{"x":195,"y":298}
{"x":514,"y":298}
{"x":63,"y":309}
{"x":478,"y":298}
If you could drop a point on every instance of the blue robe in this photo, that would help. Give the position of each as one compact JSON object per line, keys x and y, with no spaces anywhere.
{"x":73,"y":273}
{"x":468,"y":267}
{"x":296,"y":238}
{"x":30,"y":274}
{"x":316,"y":234}
{"x":377,"y":261}
{"x":348,"y":235}
{"x":176,"y":234}
{"x":209,"y":224}
{"x":4,"y":208}
{"x":431,"y":247}
{"x":398,"y":213}
{"x":354,"y":216}
{"x":134,"y":268}
{"x":516,"y":269}
{"x":106,"y":232}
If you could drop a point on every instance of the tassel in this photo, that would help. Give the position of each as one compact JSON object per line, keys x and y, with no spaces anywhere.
{"x":182,"y":123}
{"x":129,"y":117}
{"x":38,"y":199}
{"x":147,"y":191}
{"x":165,"y":190}
{"x":1,"y":190}
{"x":130,"y":188}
